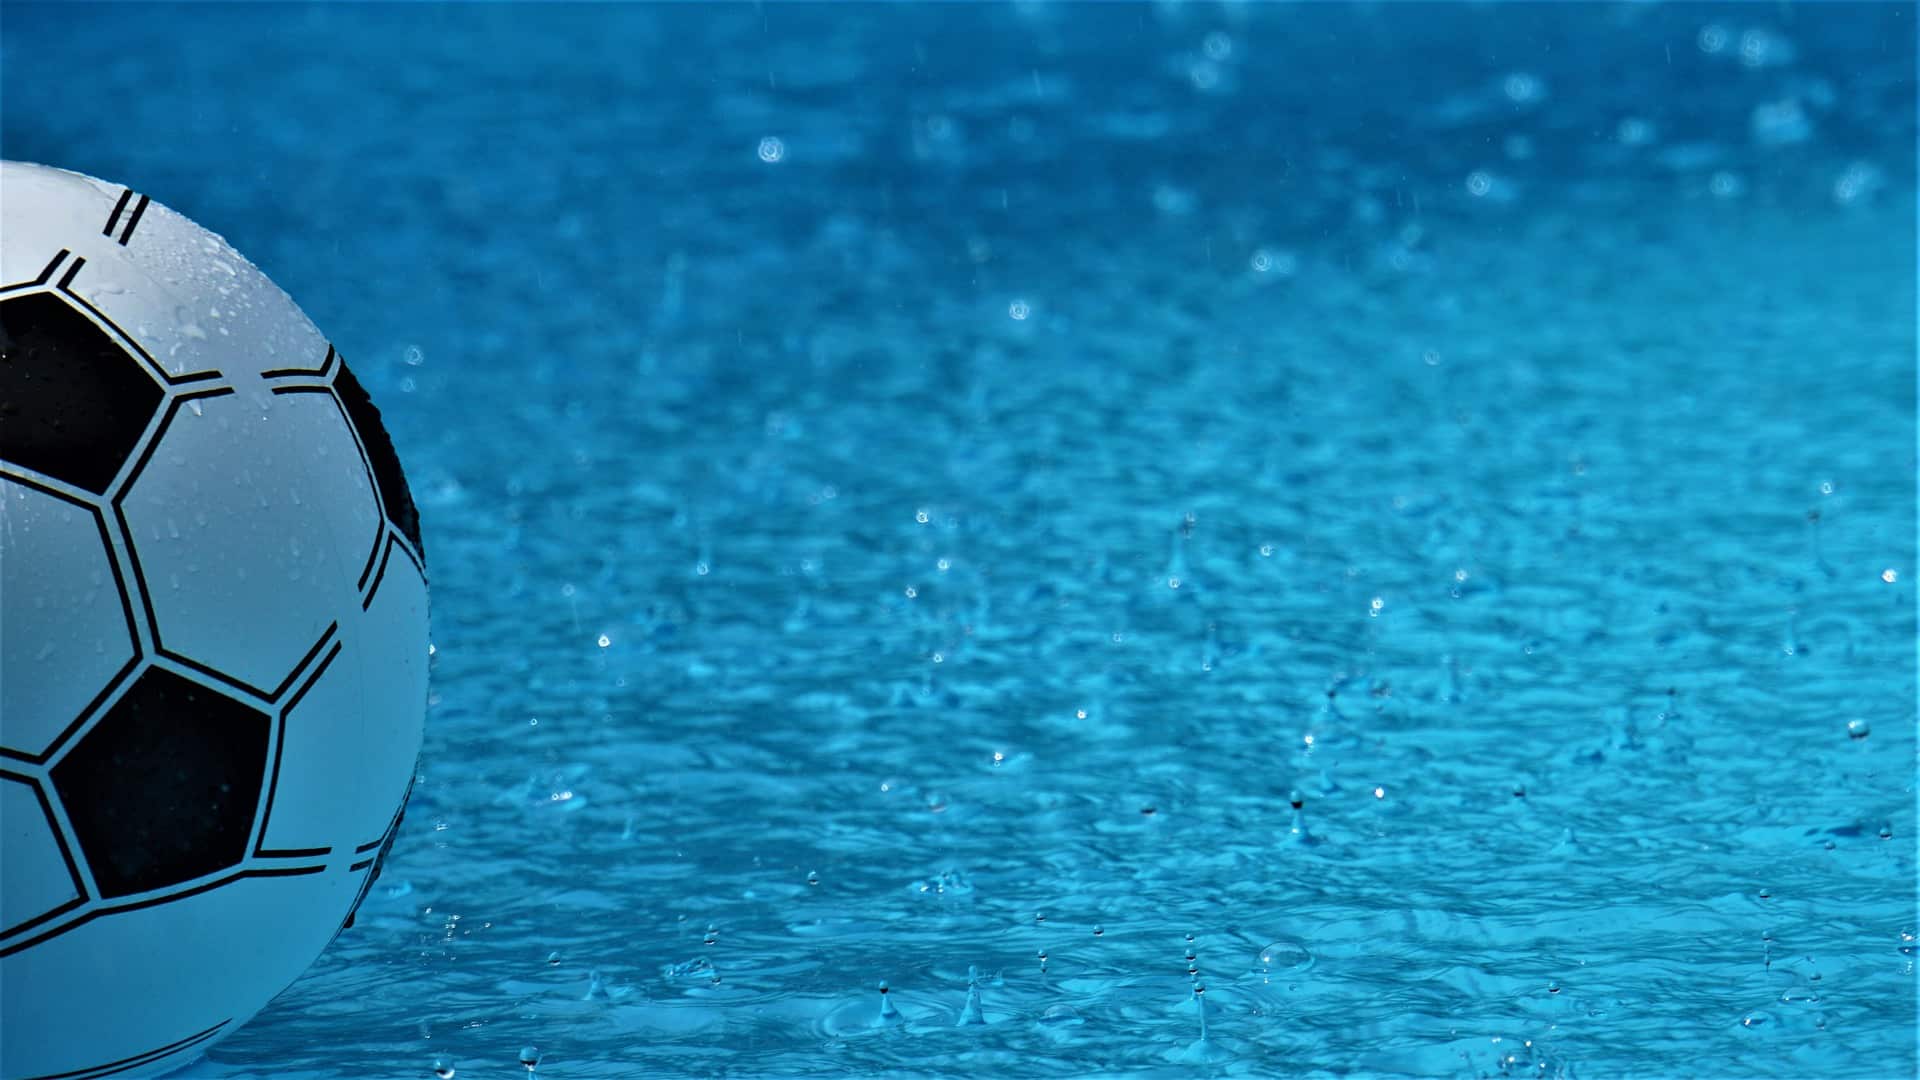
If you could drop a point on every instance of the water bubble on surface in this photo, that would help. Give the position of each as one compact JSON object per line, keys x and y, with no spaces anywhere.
{"x":1858,"y":729}
{"x":1523,"y":88}
{"x":1764,"y":48}
{"x":1634,"y":131}
{"x":1858,"y":181}
{"x":553,"y":959}
{"x":813,"y":877}
{"x":530,"y":1057}
{"x":1061,"y":1015}
{"x":1886,"y":830}
{"x":443,"y":1068}
{"x":772,"y":149}
{"x":1099,"y":931}
{"x":1283,"y":955}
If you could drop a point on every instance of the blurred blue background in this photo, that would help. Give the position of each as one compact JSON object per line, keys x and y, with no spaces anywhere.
{"x":923,"y":488}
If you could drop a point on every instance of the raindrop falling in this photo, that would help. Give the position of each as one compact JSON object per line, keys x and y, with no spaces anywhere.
{"x":971,"y":1013}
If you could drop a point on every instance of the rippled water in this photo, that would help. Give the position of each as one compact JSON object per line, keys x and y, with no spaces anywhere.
{"x":914,"y":495}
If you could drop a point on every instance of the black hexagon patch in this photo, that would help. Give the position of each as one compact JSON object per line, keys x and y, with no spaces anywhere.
{"x":73,"y":403}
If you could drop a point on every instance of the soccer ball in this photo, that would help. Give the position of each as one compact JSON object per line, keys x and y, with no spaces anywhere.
{"x":213,"y":634}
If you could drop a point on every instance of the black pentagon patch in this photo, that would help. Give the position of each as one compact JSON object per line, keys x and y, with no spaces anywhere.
{"x":72,"y":402}
{"x":394,"y":494}
{"x":164,"y":789}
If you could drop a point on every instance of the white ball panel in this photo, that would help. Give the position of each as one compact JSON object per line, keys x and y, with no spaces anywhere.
{"x":43,"y":210}
{"x":224,"y":313}
{"x":361,"y":720}
{"x":63,"y":631}
{"x":319,"y":799}
{"x":112,"y":987}
{"x":183,"y":292}
{"x":33,"y":877}
{"x":233,"y":534}
{"x":393,"y":677}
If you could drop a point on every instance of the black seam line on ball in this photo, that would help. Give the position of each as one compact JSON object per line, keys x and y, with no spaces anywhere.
{"x":419,"y":567}
{"x":138,"y":349}
{"x":66,"y":279}
{"x":319,"y":372}
{"x":47,"y":917}
{"x":114,"y":218}
{"x":115,"y":909}
{"x":380,"y":574}
{"x":137,"y":1060}
{"x":279,"y":744}
{"x":369,"y":845}
{"x":287,"y":683}
{"x":138,"y":209}
{"x":361,"y":865}
{"x":45,"y":275}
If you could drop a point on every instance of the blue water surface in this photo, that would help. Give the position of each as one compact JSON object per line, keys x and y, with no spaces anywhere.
{"x":916,"y":494}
